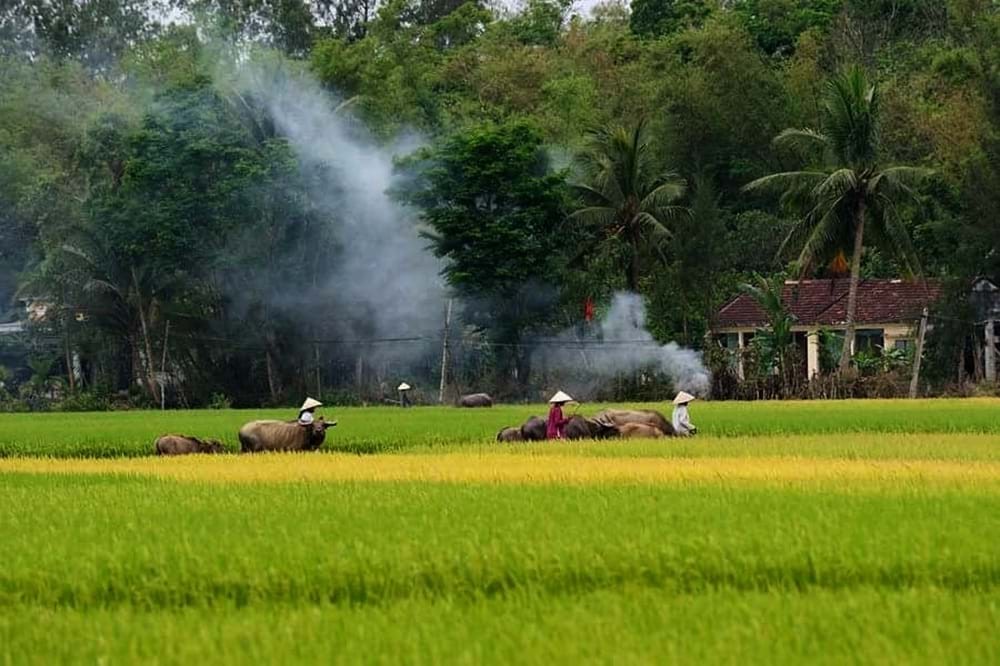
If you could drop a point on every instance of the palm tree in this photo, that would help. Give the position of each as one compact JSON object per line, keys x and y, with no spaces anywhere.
{"x":777,"y":339}
{"x":847,"y":195}
{"x":625,"y":194}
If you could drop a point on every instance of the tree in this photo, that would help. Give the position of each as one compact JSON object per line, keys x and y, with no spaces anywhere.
{"x":845,"y":190}
{"x":774,"y":343}
{"x":625,"y":194}
{"x":491,"y":200}
{"x":656,"y":18}
{"x":777,"y":24}
{"x":96,"y":33}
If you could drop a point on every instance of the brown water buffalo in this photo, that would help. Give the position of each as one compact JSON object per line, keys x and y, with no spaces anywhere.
{"x":510,"y":435}
{"x":639,"y":430}
{"x":258,"y":436}
{"x":179,"y":445}
{"x":476,"y":400}
{"x":583,"y":428}
{"x":621,"y":417}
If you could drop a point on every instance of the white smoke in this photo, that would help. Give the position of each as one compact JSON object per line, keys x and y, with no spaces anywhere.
{"x":386,"y":278}
{"x":622,"y":344}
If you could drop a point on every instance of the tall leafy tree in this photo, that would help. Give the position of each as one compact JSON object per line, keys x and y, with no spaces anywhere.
{"x":491,"y":201}
{"x":625,"y":194}
{"x":846,"y":193}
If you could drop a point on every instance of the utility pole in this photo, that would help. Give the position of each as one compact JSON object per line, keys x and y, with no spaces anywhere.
{"x":919,"y":354}
{"x":991,"y":351}
{"x":444,"y":353}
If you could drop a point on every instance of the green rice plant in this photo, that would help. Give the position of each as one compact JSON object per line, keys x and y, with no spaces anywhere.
{"x":372,"y":429}
{"x":629,"y":624}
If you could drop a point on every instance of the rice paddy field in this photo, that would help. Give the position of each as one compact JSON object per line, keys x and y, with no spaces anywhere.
{"x":820,"y":532}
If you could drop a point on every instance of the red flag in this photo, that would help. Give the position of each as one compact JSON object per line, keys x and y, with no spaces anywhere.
{"x":588,"y":310}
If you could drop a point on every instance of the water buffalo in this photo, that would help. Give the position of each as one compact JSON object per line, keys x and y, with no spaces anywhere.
{"x":510,"y":435}
{"x":583,"y":428}
{"x":179,"y":445}
{"x":533,"y":429}
{"x":621,"y":417}
{"x":639,"y":430}
{"x":258,"y":436}
{"x":476,"y":400}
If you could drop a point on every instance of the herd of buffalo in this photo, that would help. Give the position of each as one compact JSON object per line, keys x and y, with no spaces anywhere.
{"x":257,"y":436}
{"x":607,"y":424}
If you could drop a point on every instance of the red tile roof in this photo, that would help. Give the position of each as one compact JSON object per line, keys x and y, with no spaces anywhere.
{"x":824,"y":303}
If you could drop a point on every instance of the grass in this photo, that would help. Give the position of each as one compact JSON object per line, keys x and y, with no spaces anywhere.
{"x":775,"y":537}
{"x":372,"y":429}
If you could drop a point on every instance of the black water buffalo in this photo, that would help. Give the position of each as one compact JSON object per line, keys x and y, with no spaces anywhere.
{"x":476,"y":400}
{"x":578,"y":427}
{"x":584,"y":428}
{"x":179,"y":445}
{"x":258,"y":436}
{"x":622,"y":417}
{"x":533,"y":429}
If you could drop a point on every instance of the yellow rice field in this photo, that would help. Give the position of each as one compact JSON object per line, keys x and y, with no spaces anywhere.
{"x":534,"y":468}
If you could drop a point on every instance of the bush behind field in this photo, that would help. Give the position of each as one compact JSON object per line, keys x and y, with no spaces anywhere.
{"x":374,"y":429}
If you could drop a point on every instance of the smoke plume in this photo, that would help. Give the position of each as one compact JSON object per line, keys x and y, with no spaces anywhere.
{"x":622,"y":344}
{"x":385,"y":280}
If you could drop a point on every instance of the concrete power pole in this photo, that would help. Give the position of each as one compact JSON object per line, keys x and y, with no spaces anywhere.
{"x":918,"y":354}
{"x":444,"y":354}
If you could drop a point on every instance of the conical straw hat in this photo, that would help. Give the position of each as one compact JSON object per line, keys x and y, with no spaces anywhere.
{"x":310,"y":404}
{"x":561,"y":397}
{"x":683,"y":398}
{"x":403,"y":387}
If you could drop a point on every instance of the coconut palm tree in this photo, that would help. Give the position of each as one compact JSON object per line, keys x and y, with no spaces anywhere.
{"x":847,"y":195}
{"x":624,"y":193}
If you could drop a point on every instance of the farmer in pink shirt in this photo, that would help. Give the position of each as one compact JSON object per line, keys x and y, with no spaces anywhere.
{"x":557,"y":422}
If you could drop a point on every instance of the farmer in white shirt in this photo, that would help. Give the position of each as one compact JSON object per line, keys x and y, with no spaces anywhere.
{"x":306,"y":416}
{"x":682,"y":421}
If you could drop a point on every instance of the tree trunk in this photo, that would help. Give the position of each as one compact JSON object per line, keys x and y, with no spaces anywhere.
{"x":147,"y":343}
{"x":272,"y":384}
{"x":70,"y":370}
{"x":852,"y":294}
{"x":632,"y":279}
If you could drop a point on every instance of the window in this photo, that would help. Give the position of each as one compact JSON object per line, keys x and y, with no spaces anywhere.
{"x":903,"y":345}
{"x":869,"y":340}
{"x":730,"y":341}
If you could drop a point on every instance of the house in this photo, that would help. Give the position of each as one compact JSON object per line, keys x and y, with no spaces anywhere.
{"x":35,"y":310}
{"x":888,"y":314}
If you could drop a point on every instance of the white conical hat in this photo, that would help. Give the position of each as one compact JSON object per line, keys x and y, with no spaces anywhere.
{"x":310,"y":404}
{"x":683,"y":398}
{"x":403,"y":387}
{"x":561,"y":397}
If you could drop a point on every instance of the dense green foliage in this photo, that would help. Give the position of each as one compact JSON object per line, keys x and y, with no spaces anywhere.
{"x":160,"y":209}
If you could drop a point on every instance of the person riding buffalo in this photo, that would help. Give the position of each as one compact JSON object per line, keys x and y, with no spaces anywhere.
{"x":681,"y":419}
{"x":555,"y":428}
{"x":307,"y":412}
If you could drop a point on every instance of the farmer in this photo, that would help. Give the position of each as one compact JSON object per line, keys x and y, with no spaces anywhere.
{"x":681,"y":421}
{"x":404,"y":398}
{"x":557,"y":422}
{"x":306,"y":416}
